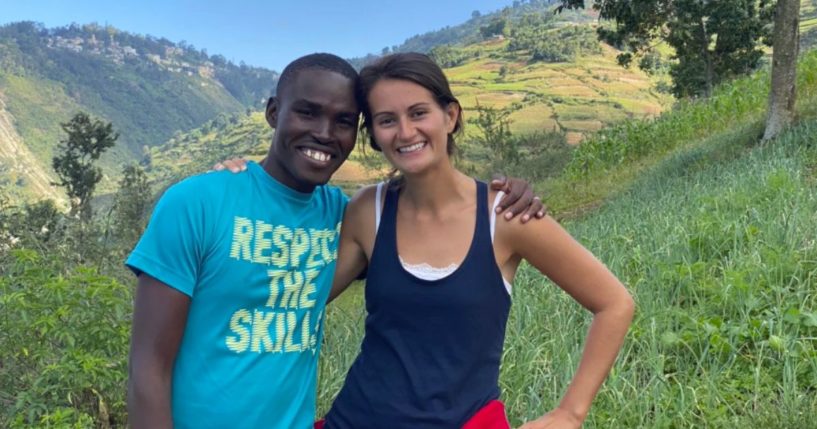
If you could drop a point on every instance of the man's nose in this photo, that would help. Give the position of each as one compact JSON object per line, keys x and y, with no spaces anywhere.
{"x":323,"y":131}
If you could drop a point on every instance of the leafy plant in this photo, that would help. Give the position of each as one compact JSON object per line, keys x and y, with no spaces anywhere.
{"x":63,"y":343}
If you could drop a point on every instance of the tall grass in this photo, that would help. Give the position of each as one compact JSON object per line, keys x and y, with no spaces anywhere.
{"x":740,"y":101}
{"x":718,"y":246}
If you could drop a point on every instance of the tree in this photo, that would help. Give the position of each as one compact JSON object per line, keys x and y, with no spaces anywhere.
{"x":713,"y":40}
{"x":447,"y":55}
{"x":74,"y":164}
{"x":496,"y":27}
{"x":786,"y":43}
{"x":131,"y":204}
{"x":494,"y":125}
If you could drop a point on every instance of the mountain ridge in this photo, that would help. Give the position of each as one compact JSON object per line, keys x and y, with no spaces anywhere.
{"x":149,"y":88}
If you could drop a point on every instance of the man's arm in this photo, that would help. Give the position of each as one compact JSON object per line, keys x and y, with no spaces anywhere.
{"x":519,"y":198}
{"x":159,"y":318}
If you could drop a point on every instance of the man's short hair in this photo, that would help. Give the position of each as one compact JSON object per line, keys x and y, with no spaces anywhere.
{"x":329,"y":62}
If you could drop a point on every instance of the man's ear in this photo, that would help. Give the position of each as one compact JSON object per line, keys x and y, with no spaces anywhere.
{"x":272,"y":112}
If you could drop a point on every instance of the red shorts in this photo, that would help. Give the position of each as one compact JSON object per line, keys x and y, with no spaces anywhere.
{"x":491,"y":416}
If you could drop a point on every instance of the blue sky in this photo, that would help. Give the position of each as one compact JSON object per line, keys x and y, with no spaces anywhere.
{"x":261,"y":33}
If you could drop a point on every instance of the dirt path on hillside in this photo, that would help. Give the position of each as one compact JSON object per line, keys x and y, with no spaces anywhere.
{"x":16,"y":155}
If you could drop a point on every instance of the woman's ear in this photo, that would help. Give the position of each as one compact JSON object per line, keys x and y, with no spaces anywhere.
{"x":452,"y":112}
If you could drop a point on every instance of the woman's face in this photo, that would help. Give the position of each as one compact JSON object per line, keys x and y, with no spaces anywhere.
{"x":409,"y":126}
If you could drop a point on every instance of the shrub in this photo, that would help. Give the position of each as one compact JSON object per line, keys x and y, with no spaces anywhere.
{"x":64,"y":338}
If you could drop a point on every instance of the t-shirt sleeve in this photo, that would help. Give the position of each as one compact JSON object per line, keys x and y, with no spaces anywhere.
{"x":171,"y":247}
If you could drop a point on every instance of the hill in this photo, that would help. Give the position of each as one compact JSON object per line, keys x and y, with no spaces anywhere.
{"x":582,"y":92}
{"x":148,"y":88}
{"x":808,"y":24}
{"x":470,"y":31}
{"x":224,"y":137}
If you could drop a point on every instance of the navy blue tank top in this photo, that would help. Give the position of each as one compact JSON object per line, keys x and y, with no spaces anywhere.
{"x":432,"y":348}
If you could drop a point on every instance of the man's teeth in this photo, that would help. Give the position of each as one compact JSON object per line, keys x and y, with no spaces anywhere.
{"x":317,"y":155}
{"x":412,"y":148}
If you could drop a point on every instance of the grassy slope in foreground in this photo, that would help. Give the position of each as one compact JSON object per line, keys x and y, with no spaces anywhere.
{"x":722,"y":269}
{"x":609,"y":160}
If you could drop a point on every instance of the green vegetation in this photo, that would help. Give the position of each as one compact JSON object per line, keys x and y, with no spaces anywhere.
{"x":536,"y":156}
{"x":712,"y":42}
{"x":148,"y":88}
{"x":482,"y":26}
{"x":808,"y":24}
{"x":131,"y":204}
{"x":65,"y":340}
{"x":549,"y":95}
{"x":536,"y":35}
{"x":712,"y":232}
{"x":224,"y":137}
{"x":74,"y":163}
{"x":740,"y":101}
{"x":722,"y":272}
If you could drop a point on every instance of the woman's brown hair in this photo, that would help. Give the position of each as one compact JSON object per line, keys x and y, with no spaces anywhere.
{"x":413,"y":67}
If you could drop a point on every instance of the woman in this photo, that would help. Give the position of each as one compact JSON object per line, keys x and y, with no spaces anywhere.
{"x":439,"y":276}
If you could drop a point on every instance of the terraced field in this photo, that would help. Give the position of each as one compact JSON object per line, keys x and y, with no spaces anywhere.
{"x":576,"y":98}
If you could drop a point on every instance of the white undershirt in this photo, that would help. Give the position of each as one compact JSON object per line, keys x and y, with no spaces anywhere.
{"x":426,"y":271}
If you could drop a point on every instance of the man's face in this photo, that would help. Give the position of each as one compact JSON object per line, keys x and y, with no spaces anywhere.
{"x":315,"y":119}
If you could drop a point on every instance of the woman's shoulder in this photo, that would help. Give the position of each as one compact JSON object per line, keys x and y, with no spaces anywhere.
{"x":362,"y":203}
{"x":364,"y":196}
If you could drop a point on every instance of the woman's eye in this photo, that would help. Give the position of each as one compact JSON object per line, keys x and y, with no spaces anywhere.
{"x":418,"y":113}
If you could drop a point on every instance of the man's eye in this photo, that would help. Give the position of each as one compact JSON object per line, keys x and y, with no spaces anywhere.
{"x":304,"y":112}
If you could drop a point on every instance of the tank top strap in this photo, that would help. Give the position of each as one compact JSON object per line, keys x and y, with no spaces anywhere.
{"x":482,"y":235}
{"x":389,"y":212}
{"x":385,"y":243}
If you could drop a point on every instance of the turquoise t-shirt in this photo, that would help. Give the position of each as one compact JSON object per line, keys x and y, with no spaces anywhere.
{"x":257,"y":260}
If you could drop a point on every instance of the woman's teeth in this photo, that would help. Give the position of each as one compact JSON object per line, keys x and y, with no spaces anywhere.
{"x":317,"y":155}
{"x":412,"y":148}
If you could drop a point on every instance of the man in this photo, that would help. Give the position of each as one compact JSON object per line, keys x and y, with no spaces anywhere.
{"x":234,"y":271}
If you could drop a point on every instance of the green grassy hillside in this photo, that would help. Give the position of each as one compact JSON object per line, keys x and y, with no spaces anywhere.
{"x":469,"y":31}
{"x":808,"y":24}
{"x":225,"y":137}
{"x":148,"y":88}
{"x":574,"y":98}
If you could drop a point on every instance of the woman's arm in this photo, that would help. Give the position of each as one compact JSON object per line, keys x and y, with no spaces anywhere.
{"x":549,"y":248}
